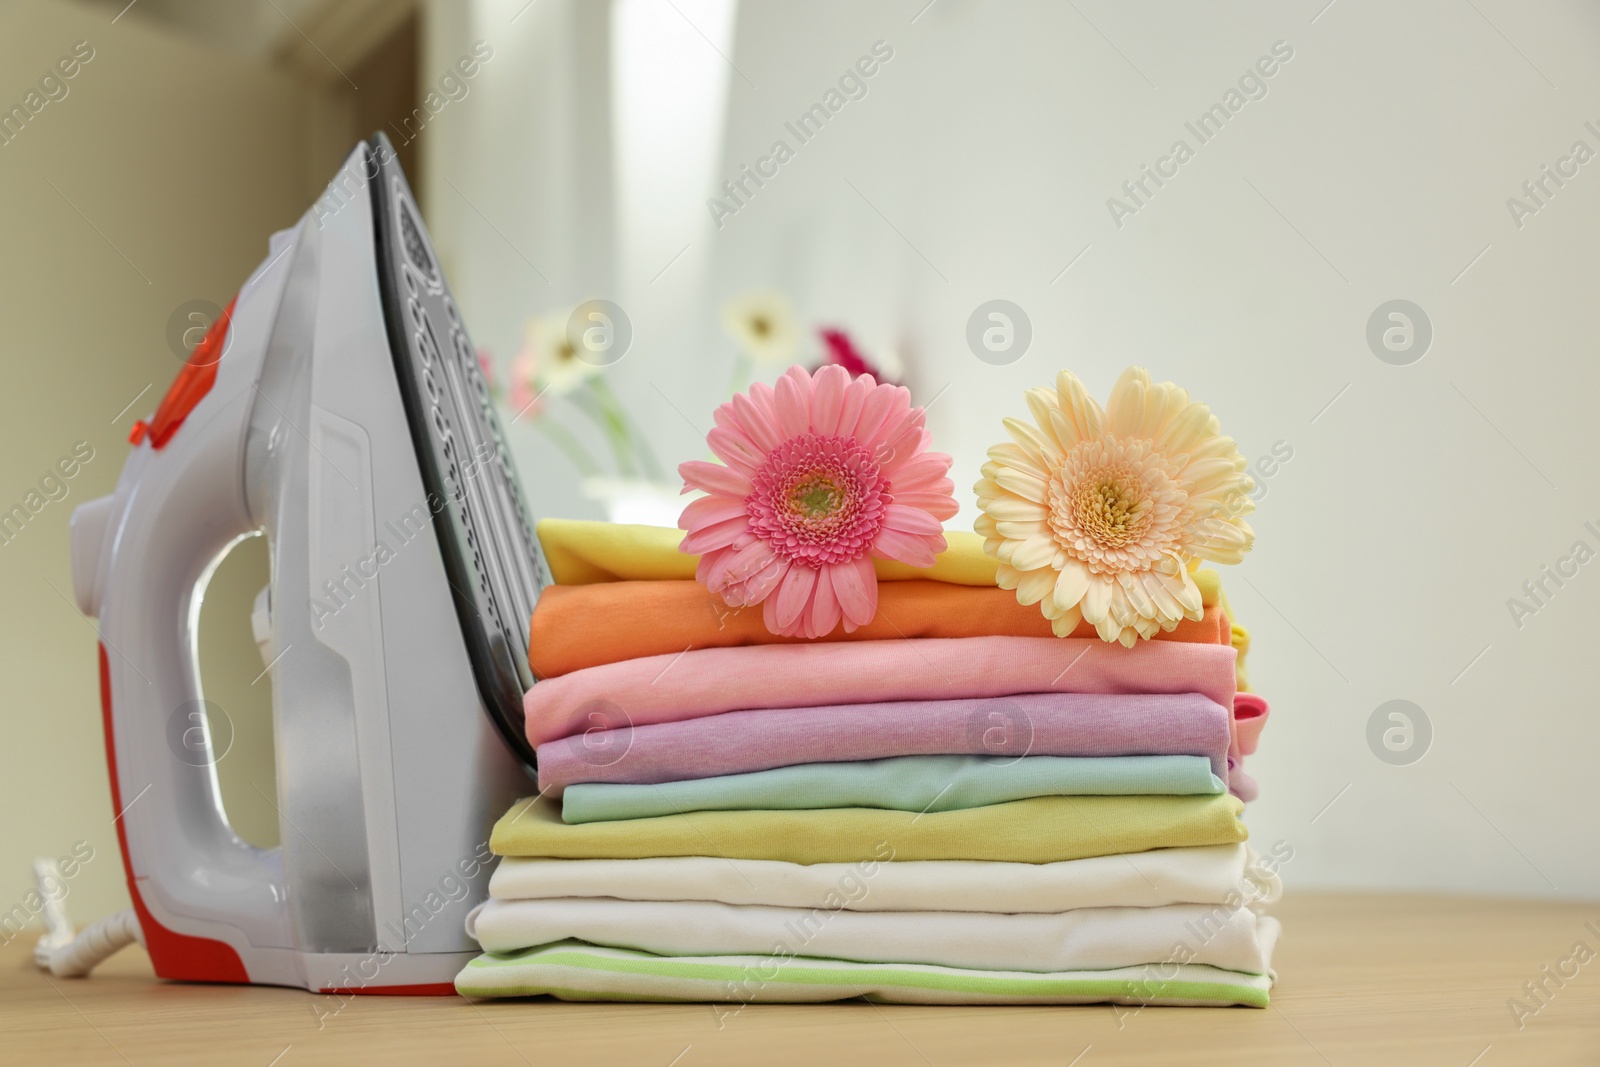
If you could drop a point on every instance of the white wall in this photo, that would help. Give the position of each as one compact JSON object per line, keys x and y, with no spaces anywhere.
{"x":1377,"y":167}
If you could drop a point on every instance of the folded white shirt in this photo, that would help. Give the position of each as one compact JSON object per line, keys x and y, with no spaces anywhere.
{"x":1232,"y":938}
{"x":1210,"y":874}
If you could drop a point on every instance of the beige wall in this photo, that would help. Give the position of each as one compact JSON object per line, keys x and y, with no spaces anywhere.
{"x":178,"y":162}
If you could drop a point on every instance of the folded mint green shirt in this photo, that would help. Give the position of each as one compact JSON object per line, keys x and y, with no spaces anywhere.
{"x":901,"y":783}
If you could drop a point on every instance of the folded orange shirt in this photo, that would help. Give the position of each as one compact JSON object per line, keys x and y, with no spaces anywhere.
{"x":578,"y":626}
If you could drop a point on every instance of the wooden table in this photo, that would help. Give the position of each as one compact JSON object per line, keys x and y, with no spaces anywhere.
{"x":1364,"y":979}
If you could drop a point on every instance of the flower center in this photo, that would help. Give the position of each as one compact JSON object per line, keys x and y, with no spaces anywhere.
{"x":818,"y":500}
{"x":1112,"y":508}
{"x":1114,"y":505}
{"x":760,"y":326}
{"x":817,"y":496}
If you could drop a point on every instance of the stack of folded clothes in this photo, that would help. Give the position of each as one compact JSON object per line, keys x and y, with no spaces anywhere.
{"x":819,"y":747}
{"x":949,"y":804}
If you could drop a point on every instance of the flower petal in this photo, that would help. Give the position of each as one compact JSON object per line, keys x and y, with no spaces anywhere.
{"x":883,"y":408}
{"x":855,"y":584}
{"x":714,"y":478}
{"x":710,"y":538}
{"x":794,"y":408}
{"x":1043,"y":405}
{"x":1167,"y":606}
{"x":742,"y":416}
{"x":900,"y":439}
{"x":855,"y":398}
{"x":1036,"y":551}
{"x":1126,"y":409}
{"x":1016,"y":509}
{"x":739,"y":566}
{"x":1031,"y":437}
{"x":1063,"y":625}
{"x":758,"y":586}
{"x":793,"y":595}
{"x":1137,"y":597}
{"x":912,"y":521}
{"x":939,"y":503}
{"x":919,"y":472}
{"x":710,"y":510}
{"x":911,"y":549}
{"x":1035,"y":585}
{"x":1187,"y":428}
{"x":1080,"y":409}
{"x":1021,"y":530}
{"x":735,"y":449}
{"x":1072,"y":583}
{"x":1011,"y":454}
{"x":1096,"y":603}
{"x":1222,"y":541}
{"x":1024,"y":485}
{"x":827,"y":398}
{"x":825,"y":611}
{"x":1184,"y":591}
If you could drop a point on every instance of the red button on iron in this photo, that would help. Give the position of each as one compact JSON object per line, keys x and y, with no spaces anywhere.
{"x":193,"y":382}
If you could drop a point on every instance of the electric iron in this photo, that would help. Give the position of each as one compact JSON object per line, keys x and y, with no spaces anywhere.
{"x":338,"y":406}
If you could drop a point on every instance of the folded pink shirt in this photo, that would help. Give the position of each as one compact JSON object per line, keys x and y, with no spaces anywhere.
{"x":709,"y":681}
{"x":1249,"y":719}
{"x":1041,"y":724}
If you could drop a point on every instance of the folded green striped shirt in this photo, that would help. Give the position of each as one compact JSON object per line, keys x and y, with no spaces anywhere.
{"x":575,"y":970}
{"x":902,"y":783}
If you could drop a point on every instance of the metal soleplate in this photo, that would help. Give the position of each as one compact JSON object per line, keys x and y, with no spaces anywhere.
{"x":485,"y":534}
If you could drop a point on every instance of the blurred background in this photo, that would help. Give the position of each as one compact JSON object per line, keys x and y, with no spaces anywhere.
{"x":1424,"y":465}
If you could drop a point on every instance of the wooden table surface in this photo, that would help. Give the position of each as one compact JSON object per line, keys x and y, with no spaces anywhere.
{"x":1363,"y":979}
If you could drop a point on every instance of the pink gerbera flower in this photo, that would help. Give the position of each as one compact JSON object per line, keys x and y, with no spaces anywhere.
{"x":823,"y":474}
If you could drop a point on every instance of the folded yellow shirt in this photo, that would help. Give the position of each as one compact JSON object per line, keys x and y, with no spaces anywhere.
{"x":1037,"y":830}
{"x":581,"y":552}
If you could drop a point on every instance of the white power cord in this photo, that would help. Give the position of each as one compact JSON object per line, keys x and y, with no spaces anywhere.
{"x":69,"y":955}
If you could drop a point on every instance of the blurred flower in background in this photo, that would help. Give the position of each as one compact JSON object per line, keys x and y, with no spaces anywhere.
{"x":550,"y":352}
{"x":522,"y":397}
{"x":763,"y":325}
{"x":549,"y":366}
{"x":841,"y":351}
{"x":764,"y":330}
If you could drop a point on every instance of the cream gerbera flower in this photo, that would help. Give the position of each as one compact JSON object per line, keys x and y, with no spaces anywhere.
{"x":555,"y":360}
{"x":763,"y":325}
{"x":1097,"y":514}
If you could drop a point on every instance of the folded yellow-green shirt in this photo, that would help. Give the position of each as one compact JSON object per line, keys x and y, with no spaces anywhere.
{"x":1037,"y":830}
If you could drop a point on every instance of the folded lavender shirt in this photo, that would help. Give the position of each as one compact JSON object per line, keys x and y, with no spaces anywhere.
{"x":1040,"y":724}
{"x":708,"y":681}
